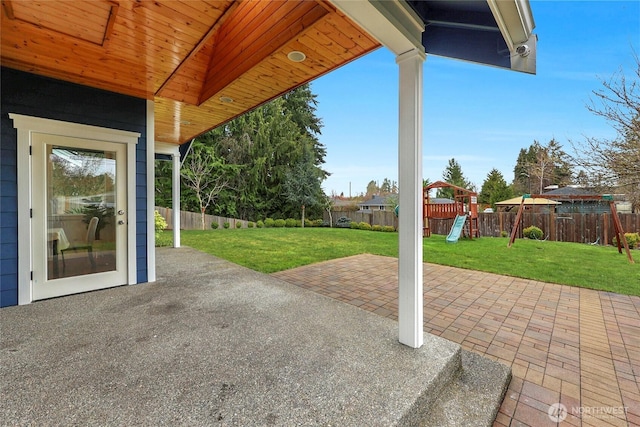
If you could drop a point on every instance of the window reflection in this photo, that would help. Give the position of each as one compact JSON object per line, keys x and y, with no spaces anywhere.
{"x":80,"y":193}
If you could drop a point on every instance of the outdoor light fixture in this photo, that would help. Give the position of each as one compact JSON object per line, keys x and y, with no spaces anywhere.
{"x":226,"y":99}
{"x":296,"y":56}
{"x":523,"y":50}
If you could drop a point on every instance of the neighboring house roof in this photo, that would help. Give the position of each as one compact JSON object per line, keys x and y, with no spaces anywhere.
{"x":570,"y":191}
{"x":377,"y":201}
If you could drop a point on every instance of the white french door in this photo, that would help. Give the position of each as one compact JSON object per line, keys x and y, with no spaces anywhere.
{"x":80,"y":215}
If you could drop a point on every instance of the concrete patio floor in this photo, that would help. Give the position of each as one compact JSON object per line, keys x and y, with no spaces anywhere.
{"x":567,"y":345}
{"x":213,"y":343}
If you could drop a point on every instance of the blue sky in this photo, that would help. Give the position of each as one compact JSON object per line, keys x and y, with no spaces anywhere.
{"x":481,"y":116}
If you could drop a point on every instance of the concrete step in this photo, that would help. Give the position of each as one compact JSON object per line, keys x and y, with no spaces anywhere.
{"x":473,"y":397}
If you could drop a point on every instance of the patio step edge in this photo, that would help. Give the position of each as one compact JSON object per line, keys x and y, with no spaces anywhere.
{"x":443,"y":380}
{"x":474,"y":397}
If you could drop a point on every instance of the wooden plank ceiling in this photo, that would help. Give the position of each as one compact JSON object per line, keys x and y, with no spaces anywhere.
{"x":203,"y":62}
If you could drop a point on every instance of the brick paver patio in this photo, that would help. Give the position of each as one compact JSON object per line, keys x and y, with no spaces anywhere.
{"x":576,"y":347}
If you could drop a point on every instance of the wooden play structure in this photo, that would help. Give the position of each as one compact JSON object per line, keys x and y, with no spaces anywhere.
{"x":464,"y":209}
{"x":617,"y":225}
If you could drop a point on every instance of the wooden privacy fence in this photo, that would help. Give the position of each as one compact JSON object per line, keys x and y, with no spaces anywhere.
{"x":580,"y":228}
{"x":193,"y":220}
{"x":373,"y":218}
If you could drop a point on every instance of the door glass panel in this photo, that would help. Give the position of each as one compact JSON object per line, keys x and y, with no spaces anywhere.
{"x":81,"y":222}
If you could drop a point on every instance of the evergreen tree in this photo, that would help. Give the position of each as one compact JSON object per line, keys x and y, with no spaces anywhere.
{"x":265,"y":144}
{"x":494,"y":189}
{"x":302,"y":184}
{"x":521,"y":176}
{"x":540,"y":166}
{"x":453,"y":175}
{"x":301,"y":105}
{"x":385,"y":188}
{"x":372,"y":189}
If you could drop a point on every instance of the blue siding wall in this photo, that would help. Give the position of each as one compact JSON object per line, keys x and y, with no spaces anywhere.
{"x":32,"y":95}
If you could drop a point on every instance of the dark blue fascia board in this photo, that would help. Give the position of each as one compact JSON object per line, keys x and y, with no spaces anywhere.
{"x":483,"y":47}
{"x":464,"y":29}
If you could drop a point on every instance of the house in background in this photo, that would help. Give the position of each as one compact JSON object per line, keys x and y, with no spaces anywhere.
{"x":569,"y":197}
{"x":378,"y":203}
{"x":119,"y":82}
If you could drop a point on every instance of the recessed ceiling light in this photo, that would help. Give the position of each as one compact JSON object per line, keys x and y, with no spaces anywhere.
{"x":296,"y":56}
{"x":226,"y":99}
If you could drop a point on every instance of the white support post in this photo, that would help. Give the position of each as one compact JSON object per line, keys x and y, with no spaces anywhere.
{"x":175,"y":199}
{"x":410,"y":281}
{"x":151,"y":199}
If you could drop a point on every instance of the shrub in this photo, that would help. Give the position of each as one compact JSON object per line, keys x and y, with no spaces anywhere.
{"x":376,"y":228}
{"x":353,"y":225}
{"x":226,"y":224}
{"x":364,"y":226}
{"x":290,"y":223}
{"x":343,"y":222}
{"x":632,"y":240}
{"x":250,"y":224}
{"x":238,"y":225}
{"x":533,"y":233}
{"x":279,"y":223}
{"x":309,"y":223}
{"x":259,"y":224}
{"x":388,"y":229}
{"x":504,"y":234}
{"x":215,"y":225}
{"x":160,"y":223}
{"x":320,"y":223}
{"x":269,"y":222}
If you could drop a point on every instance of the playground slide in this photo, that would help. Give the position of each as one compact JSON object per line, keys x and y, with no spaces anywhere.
{"x":456,"y":230}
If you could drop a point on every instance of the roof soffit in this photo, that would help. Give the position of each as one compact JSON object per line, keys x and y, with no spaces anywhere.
{"x":186,"y":55}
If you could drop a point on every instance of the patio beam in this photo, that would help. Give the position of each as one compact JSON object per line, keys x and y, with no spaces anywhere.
{"x":410,"y":280}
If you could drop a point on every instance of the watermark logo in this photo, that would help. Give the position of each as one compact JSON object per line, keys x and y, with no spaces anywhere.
{"x":557,"y":412}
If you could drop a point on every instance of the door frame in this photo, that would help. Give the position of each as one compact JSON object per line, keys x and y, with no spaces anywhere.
{"x":25,"y":126}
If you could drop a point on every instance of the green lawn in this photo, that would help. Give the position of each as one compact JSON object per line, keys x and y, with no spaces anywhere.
{"x":276,"y":249}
